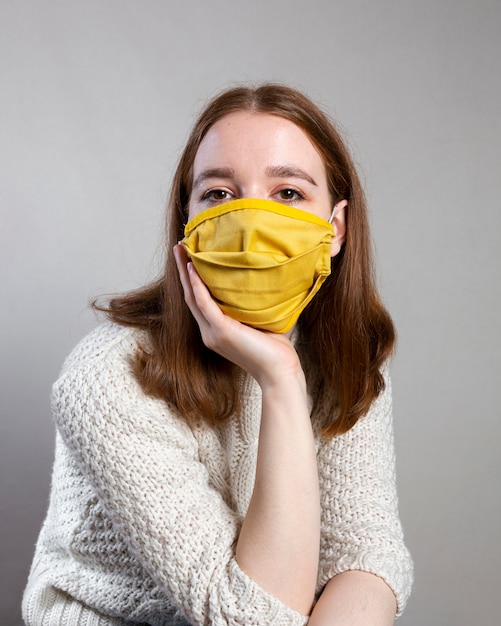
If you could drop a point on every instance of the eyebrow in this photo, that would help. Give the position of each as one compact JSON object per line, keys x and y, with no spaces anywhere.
{"x":273,"y":171}
{"x":214,"y":172}
{"x":289,"y":171}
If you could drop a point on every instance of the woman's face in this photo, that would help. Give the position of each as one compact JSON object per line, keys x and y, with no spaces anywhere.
{"x":259,"y":155}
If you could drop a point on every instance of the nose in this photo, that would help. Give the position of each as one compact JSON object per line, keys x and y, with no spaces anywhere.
{"x":254,"y":190}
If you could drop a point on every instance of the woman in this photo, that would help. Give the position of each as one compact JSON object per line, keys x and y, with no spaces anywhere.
{"x":224,"y":447}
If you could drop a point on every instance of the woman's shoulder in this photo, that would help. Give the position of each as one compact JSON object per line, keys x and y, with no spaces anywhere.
{"x":98,"y":386}
{"x":106,"y":342}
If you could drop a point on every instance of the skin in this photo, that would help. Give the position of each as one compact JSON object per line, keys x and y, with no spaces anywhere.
{"x":255,"y":155}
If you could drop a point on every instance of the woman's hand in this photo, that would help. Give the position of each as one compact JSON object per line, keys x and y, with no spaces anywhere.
{"x":265,"y":356}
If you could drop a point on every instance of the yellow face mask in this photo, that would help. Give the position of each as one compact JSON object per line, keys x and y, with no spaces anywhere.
{"x":262,"y":261}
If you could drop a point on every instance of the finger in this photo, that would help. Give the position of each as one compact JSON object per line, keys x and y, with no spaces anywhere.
{"x":203,"y":298}
{"x":181,"y":263}
{"x":198,"y":298}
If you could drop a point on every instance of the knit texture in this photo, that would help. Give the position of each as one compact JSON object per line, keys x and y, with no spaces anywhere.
{"x":145,"y":512}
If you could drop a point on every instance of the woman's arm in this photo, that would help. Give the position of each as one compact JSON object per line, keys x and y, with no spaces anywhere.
{"x":278,"y":545}
{"x":355,"y":598}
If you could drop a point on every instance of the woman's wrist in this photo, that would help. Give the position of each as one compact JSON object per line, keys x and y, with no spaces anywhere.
{"x":283,"y":382}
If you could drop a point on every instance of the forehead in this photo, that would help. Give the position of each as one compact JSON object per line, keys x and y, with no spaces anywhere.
{"x":265,"y":136}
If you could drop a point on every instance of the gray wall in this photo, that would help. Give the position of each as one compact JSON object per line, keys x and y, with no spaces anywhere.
{"x":97,"y":98}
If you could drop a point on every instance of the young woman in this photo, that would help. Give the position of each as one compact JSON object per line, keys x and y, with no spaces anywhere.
{"x":224,"y":446}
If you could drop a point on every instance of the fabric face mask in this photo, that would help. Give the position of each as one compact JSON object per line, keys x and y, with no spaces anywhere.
{"x":261,"y":260}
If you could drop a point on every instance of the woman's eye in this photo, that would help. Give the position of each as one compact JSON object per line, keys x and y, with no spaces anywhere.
{"x":217,"y":195}
{"x":290,"y":194}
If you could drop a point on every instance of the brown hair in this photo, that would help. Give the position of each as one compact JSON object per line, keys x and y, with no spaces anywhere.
{"x":344,"y":335}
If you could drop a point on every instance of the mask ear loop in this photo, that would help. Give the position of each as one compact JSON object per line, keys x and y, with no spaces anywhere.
{"x":332,"y":217}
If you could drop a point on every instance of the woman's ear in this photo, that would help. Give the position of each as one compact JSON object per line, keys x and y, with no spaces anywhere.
{"x":339,"y":223}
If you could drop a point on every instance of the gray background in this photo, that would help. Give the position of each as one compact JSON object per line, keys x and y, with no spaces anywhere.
{"x":97,"y":99}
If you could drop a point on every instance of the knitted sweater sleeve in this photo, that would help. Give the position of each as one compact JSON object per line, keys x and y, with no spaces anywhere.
{"x":361,"y":529}
{"x":143,"y":465}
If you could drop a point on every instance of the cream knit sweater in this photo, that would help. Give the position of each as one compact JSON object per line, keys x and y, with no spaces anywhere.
{"x":145,"y":513}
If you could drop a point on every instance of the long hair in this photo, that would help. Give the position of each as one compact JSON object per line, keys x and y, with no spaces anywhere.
{"x":344,"y":335}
